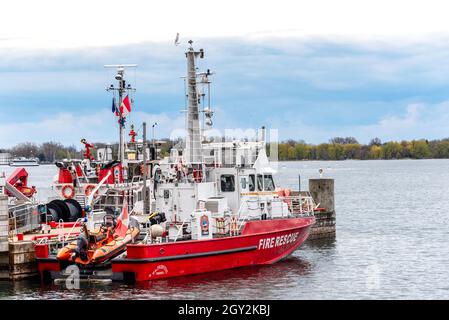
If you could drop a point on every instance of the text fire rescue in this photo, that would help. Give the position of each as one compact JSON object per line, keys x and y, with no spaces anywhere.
{"x":268,"y":243}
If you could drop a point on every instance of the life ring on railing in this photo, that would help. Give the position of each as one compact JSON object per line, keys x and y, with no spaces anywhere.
{"x":88,"y":190}
{"x":68,"y":191}
{"x":286,"y":195}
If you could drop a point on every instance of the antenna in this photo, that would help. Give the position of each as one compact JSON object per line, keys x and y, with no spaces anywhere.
{"x":177,"y":39}
{"x":121,"y":88}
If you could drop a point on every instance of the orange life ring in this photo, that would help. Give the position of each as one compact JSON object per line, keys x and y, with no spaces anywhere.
{"x":287,"y":197}
{"x":88,"y":190}
{"x":64,"y":192}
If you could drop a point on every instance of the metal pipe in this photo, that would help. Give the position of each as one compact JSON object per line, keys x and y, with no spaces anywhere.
{"x":154,"y":140}
{"x":144,"y":190}
{"x":193,"y":140}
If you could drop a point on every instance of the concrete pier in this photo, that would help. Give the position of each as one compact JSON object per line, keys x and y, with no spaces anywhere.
{"x":4,"y":229}
{"x":22,"y":260}
{"x":17,"y":258}
{"x":322,"y":191}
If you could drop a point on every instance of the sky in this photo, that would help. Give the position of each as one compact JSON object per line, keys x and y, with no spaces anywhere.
{"x":312,"y":70}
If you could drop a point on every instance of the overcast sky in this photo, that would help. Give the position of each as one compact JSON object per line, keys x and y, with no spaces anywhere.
{"x":312,"y":69}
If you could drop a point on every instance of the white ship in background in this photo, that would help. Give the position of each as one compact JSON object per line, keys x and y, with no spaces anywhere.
{"x":24,"y":162}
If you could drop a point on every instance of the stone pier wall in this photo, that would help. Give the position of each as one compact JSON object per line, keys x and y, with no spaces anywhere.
{"x":17,"y":259}
{"x":322,"y":191}
{"x":4,"y":229}
{"x":22,"y":260}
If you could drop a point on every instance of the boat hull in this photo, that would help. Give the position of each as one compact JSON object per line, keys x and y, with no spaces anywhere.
{"x":261,"y":242}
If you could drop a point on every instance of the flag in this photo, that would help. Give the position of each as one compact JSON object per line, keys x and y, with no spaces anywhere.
{"x":125,"y":107}
{"x":122,"y":221}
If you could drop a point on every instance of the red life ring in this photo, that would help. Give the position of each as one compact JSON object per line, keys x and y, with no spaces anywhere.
{"x":88,"y":190}
{"x":65,"y":194}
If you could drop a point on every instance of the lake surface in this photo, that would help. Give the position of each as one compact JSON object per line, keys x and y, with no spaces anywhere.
{"x":392,"y":243}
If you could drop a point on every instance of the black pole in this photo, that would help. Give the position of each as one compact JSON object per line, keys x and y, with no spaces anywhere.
{"x":299,"y":182}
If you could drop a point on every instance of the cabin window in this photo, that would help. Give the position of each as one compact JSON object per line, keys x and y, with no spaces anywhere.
{"x":259,"y":182}
{"x":227,"y":183}
{"x":268,"y":182}
{"x":252,"y":182}
{"x":243,"y":183}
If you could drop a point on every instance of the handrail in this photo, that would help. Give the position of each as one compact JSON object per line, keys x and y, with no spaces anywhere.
{"x":179,"y":230}
{"x":92,"y":194}
{"x":22,"y":218}
{"x":78,"y":221}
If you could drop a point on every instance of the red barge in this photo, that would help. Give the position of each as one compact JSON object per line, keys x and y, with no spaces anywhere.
{"x":210,"y":205}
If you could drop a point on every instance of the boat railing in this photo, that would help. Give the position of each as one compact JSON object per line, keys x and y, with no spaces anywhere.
{"x":42,"y":241}
{"x":181,"y":228}
{"x":299,"y":204}
{"x":23,"y":218}
{"x":68,"y":236}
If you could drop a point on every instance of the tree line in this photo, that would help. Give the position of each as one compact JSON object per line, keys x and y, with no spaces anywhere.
{"x":337,"y":148}
{"x":49,"y":152}
{"x":45,"y":152}
{"x":349,"y":148}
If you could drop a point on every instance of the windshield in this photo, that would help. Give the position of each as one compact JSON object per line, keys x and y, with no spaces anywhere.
{"x":227,"y":183}
{"x":259,"y":182}
{"x":252,"y":182}
{"x":268,"y":182}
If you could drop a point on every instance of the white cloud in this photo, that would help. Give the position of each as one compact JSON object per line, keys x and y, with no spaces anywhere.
{"x":69,"y":128}
{"x":420,"y":121}
{"x":53,"y":23}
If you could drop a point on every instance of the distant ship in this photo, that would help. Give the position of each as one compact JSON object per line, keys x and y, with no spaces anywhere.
{"x":24,"y":162}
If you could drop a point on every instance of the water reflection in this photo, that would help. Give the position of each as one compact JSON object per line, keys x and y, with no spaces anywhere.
{"x":244,"y":283}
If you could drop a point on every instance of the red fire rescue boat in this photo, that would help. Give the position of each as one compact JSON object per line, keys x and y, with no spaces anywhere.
{"x":260,"y":242}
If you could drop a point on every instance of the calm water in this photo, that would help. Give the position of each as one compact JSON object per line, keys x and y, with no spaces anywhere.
{"x":392,"y":242}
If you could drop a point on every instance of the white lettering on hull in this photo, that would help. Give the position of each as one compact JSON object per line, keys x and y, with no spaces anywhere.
{"x":273,"y":242}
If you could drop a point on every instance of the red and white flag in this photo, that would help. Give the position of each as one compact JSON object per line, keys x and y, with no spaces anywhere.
{"x":125,"y":107}
{"x":122,"y":221}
